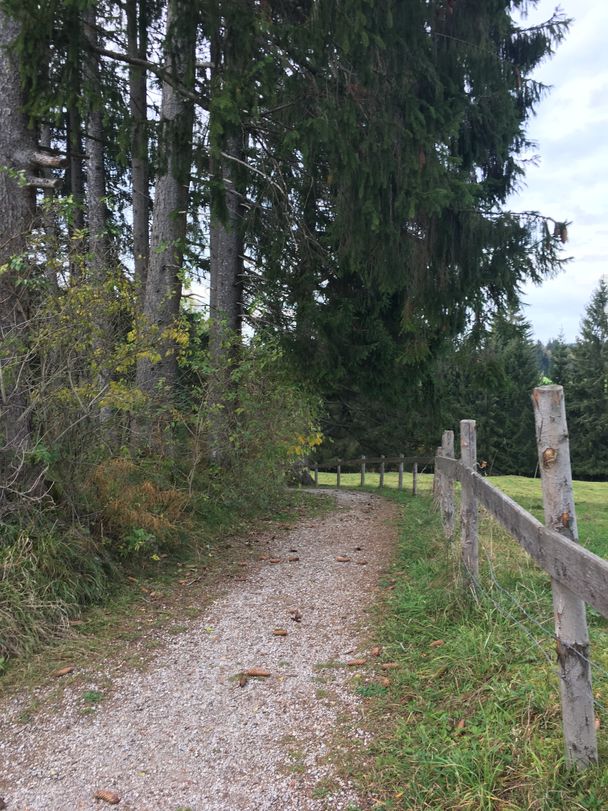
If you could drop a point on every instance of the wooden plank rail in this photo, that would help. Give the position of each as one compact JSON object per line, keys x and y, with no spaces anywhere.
{"x":577,"y":575}
{"x":568,"y":562}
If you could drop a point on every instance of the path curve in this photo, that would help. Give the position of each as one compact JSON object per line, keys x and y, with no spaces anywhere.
{"x":184,"y":734}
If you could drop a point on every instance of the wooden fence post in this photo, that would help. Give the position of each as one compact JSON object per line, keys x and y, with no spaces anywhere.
{"x":381,"y":482}
{"x":437,"y":477}
{"x":316,"y":475}
{"x":363,"y":471}
{"x":447,"y":506}
{"x":468,"y":511}
{"x":400,"y":485}
{"x":569,"y":610}
{"x":338,"y":472}
{"x":415,"y":479}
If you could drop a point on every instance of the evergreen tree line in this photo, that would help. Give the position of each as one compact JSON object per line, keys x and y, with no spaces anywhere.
{"x":489,"y":378}
{"x":337,"y":172}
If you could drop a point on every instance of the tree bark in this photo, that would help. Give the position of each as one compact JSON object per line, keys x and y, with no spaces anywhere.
{"x":16,"y":215}
{"x":97,"y":213}
{"x":225,"y":303}
{"x":49,"y":221}
{"x":100,"y":252}
{"x":76,"y":190}
{"x":137,"y":42}
{"x":226,"y":262}
{"x":226,"y":257}
{"x":163,"y":284}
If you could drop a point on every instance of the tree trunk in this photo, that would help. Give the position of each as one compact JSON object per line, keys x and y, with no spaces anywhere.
{"x":76,"y":190}
{"x":226,"y":293}
{"x":97,"y":213}
{"x":225,"y":302}
{"x":137,"y":42}
{"x":226,"y":247}
{"x":163,"y":283}
{"x":49,"y":221}
{"x":16,"y":214}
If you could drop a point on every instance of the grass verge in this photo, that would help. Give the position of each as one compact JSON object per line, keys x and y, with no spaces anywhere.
{"x":468,"y":716}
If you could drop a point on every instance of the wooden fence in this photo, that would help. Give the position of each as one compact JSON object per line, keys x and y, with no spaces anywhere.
{"x":578,"y":576}
{"x":381,"y":462}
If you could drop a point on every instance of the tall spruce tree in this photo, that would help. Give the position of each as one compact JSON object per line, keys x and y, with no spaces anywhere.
{"x":560,"y":361}
{"x":414,"y":125}
{"x":587,"y":397}
{"x":489,"y":378}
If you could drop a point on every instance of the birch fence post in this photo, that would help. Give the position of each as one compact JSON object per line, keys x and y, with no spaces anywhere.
{"x":569,"y":610}
{"x":415,"y":479}
{"x":338,"y":472}
{"x":468,"y":510}
{"x":363,"y":471}
{"x":437,"y":481}
{"x":447,"y":506}
{"x":381,"y":482}
{"x":400,"y":485}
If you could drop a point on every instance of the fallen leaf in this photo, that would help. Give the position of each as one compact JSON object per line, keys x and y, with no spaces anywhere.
{"x":275,"y":560}
{"x":296,"y":615}
{"x":279,"y":632}
{"x":63,"y":671}
{"x":242,"y":680}
{"x":597,"y":723}
{"x":384,"y":681}
{"x":361,"y":563}
{"x":357,"y":662}
{"x":389,"y":665}
{"x":107,"y":796}
{"x":293,"y":559}
{"x":437,"y":643}
{"x":376,"y":650}
{"x":460,"y":724}
{"x":257,"y":672}
{"x":343,"y":559}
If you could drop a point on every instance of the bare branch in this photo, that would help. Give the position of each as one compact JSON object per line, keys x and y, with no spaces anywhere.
{"x":43,"y":182}
{"x":158,"y":70}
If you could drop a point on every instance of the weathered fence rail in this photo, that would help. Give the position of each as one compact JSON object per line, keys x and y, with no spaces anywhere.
{"x":362,"y":463}
{"x":578,"y":576}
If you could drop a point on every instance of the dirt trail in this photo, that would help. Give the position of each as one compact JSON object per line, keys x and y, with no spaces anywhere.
{"x":183,"y":734}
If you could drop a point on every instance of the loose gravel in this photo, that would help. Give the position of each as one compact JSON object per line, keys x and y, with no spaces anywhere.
{"x":191,"y":731}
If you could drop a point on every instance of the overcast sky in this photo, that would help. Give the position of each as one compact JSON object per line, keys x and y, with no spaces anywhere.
{"x":571,"y":181}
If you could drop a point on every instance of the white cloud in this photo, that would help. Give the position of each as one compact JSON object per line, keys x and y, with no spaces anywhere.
{"x":571,"y":181}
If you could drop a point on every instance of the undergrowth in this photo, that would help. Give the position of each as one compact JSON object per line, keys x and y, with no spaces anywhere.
{"x":470,"y":717}
{"x":137,"y":486}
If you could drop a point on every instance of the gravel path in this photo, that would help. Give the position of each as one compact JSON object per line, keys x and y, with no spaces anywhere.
{"x":190,"y":732}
